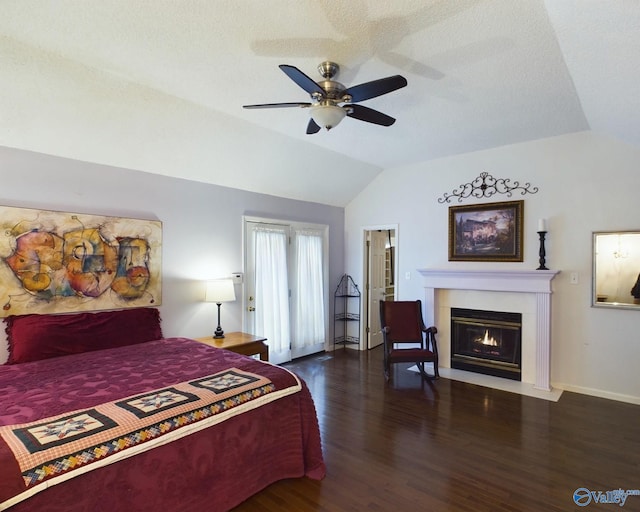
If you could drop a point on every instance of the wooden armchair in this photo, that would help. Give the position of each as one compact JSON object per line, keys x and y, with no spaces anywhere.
{"x":402,"y":324}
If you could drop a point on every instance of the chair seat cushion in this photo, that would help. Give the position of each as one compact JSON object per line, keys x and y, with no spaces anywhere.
{"x":410,"y":355}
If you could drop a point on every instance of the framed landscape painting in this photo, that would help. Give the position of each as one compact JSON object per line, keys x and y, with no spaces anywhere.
{"x":487,"y":232}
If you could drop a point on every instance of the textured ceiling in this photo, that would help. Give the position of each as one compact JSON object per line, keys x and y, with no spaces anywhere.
{"x":159,"y":85}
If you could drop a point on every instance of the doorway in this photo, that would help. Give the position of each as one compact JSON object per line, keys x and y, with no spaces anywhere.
{"x":286,"y":286}
{"x":380,"y":275}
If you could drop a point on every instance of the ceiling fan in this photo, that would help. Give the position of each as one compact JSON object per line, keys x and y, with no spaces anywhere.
{"x":328,"y":95}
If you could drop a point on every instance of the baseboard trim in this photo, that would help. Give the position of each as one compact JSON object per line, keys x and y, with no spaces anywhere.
{"x":619,"y":397}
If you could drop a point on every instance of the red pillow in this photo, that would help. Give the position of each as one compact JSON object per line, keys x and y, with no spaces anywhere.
{"x":34,"y":337}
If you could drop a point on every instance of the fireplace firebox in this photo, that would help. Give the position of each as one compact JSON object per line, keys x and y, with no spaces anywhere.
{"x":486,"y":342}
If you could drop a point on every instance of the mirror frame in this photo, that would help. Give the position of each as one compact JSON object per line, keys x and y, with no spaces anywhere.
{"x":594,"y":297}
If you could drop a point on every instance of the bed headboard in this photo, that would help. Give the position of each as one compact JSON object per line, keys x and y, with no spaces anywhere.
{"x":34,"y":337}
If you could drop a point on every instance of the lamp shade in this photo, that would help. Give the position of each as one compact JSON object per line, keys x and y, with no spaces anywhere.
{"x":327,"y":116}
{"x":220,"y":290}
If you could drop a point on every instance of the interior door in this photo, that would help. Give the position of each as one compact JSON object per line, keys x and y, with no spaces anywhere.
{"x":376,"y":280}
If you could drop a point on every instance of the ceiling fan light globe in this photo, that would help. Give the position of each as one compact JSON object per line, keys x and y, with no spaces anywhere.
{"x":327,"y":116}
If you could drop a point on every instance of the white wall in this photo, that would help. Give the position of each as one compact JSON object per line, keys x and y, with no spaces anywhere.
{"x":586,"y":183}
{"x":61,"y":107}
{"x":202,"y":225}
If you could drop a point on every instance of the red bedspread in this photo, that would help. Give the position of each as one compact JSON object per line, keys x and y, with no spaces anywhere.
{"x":215,"y":468}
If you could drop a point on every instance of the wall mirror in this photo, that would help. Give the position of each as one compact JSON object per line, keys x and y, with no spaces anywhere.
{"x":616,"y":269}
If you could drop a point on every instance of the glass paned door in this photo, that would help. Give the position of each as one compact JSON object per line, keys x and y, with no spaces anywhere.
{"x":308,"y":326}
{"x":286,"y":287}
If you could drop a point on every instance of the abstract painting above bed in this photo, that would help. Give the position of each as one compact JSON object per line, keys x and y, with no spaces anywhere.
{"x":56,"y":262}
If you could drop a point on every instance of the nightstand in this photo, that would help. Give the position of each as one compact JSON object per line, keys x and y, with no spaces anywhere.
{"x":240,"y":343}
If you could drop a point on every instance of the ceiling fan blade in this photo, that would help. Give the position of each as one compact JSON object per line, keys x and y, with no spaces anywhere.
{"x":312,"y":127}
{"x":277,"y":105}
{"x":302,"y":80}
{"x":370,"y":116}
{"x":376,"y":88}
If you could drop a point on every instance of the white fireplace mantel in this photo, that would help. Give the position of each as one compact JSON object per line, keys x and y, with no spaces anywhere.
{"x":536,"y":282}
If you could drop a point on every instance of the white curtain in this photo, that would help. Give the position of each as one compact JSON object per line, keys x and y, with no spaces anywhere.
{"x":272,"y":291}
{"x":308,"y":326}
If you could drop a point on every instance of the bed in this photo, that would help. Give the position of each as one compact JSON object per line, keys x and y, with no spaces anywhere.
{"x":99,"y":412}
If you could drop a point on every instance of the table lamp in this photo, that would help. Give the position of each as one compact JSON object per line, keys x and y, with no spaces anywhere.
{"x":219,"y":291}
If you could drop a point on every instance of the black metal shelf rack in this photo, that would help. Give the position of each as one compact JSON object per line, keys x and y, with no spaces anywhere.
{"x":346,"y":313}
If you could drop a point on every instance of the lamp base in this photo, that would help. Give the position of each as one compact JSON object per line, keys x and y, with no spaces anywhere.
{"x":219,"y":332}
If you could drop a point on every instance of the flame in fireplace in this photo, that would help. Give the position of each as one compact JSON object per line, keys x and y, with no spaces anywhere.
{"x":487,"y":340}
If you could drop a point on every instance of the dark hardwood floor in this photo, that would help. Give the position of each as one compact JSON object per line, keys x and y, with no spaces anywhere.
{"x":451,"y":446}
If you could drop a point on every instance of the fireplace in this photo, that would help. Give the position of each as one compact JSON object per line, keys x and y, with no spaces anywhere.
{"x":488,"y":342}
{"x":530,"y":289}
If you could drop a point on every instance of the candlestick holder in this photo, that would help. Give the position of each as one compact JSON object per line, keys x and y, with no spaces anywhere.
{"x":542,"y":253}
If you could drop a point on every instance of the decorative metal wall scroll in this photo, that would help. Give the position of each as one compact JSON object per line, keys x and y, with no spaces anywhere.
{"x":486,"y":185}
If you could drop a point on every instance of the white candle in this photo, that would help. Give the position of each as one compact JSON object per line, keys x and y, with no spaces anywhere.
{"x":542,"y":225}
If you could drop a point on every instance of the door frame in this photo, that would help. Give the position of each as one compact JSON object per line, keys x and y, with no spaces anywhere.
{"x":364,"y":326}
{"x":291,"y":223}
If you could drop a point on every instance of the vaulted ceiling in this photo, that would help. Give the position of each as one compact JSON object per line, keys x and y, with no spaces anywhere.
{"x":159,"y":85}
